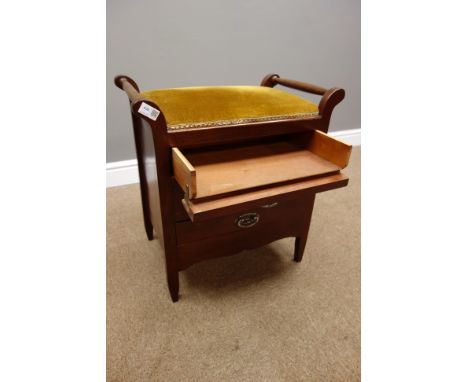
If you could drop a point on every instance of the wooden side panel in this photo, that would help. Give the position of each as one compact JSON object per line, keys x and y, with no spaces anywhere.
{"x":149,"y":165}
{"x":184,"y":172}
{"x":331,"y":149}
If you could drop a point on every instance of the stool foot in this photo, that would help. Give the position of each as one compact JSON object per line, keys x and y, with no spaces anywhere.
{"x":173,"y":284}
{"x":299,"y":247}
{"x":149,"y":231}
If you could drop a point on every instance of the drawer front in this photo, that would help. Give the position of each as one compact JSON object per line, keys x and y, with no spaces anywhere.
{"x":237,"y":241}
{"x":199,"y":211}
{"x":222,"y":170}
{"x":272,"y":214}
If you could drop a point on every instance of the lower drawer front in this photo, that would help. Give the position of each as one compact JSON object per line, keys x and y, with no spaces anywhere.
{"x":252,"y":219}
{"x":237,"y":241}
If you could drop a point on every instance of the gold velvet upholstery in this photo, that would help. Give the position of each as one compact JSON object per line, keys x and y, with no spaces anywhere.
{"x":221,"y":105}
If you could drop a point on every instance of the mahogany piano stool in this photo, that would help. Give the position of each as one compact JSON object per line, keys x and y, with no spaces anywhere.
{"x":228,"y":168}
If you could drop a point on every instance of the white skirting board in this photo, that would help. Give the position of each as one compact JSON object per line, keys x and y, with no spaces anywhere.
{"x":126,"y":171}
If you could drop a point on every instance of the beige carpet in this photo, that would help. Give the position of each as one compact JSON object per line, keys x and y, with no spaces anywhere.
{"x":255,"y":316}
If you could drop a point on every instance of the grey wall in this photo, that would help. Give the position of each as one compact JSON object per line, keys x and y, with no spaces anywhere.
{"x":213,"y":42}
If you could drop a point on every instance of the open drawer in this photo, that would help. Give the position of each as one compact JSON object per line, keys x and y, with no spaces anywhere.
{"x":214,"y":172}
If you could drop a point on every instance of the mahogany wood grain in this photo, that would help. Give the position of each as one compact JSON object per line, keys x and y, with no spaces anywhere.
{"x":234,"y":242}
{"x":309,"y":88}
{"x":119,"y":80}
{"x":301,"y":238}
{"x":330,"y":99}
{"x":129,"y":86}
{"x":164,"y":175}
{"x":199,"y":210}
{"x":151,"y":180}
{"x":193,"y":231}
{"x":142,"y":154}
{"x":203,"y":137}
{"x":178,"y":209}
{"x":161,"y":196}
{"x":271,"y":80}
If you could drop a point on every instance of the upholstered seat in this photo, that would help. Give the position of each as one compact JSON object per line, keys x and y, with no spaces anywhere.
{"x":194,"y":107}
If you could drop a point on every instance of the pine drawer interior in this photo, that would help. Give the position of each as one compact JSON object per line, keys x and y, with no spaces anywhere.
{"x":217,"y":171}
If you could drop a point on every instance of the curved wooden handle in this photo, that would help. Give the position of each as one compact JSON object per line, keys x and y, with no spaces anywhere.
{"x":136,"y":99}
{"x":330,"y":97}
{"x":129,"y":86}
{"x":274,"y":79}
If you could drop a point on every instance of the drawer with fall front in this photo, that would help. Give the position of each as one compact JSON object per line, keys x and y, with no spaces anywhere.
{"x":216,"y":179}
{"x":254,"y":217}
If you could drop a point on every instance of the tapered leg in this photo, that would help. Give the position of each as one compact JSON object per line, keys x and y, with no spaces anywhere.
{"x":148,"y":227}
{"x":173,"y":283}
{"x":172,"y":274}
{"x":301,"y":240}
{"x":299,"y":247}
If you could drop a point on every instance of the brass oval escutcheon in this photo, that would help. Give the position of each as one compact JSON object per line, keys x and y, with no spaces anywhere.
{"x":248,"y":220}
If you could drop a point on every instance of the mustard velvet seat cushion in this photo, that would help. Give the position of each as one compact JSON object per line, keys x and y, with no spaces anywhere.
{"x":221,"y":105}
